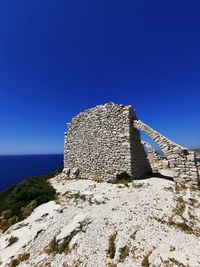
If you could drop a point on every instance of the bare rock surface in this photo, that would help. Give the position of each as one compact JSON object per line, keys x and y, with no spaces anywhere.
{"x":147,"y":222}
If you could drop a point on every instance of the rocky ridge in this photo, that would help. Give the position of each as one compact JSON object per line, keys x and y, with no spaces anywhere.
{"x":151,"y":222}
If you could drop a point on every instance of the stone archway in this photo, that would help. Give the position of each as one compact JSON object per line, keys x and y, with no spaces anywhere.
{"x":181,"y":160}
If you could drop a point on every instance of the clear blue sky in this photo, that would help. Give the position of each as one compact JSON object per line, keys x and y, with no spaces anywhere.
{"x":58,"y":58}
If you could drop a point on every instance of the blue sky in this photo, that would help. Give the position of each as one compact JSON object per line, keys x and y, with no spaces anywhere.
{"x":58,"y":58}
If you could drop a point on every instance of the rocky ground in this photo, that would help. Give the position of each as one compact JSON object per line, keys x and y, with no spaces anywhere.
{"x":150,"y":222}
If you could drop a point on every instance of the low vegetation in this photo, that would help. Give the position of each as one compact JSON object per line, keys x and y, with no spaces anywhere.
{"x":145,"y":262}
{"x":17,"y":202}
{"x":111,"y":245}
{"x":97,"y":179}
{"x":54,"y":248}
{"x":12,"y":240}
{"x":180,"y":187}
{"x":16,"y":261}
{"x":124,"y":253}
{"x":184,"y":225}
{"x":173,"y":262}
{"x":121,"y":178}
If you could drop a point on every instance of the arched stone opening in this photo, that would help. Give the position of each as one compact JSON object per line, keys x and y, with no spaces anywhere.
{"x":182,"y":161}
{"x":157,"y":161}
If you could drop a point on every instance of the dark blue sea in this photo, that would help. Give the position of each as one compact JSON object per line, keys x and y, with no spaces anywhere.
{"x":13,"y":169}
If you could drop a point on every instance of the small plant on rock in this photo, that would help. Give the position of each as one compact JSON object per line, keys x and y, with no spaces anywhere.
{"x":123,"y":176}
{"x":111,"y":245}
{"x":16,"y":261}
{"x":12,"y":240}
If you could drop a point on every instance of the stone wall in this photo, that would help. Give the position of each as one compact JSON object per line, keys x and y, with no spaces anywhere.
{"x":102,"y":142}
{"x":156,"y":161}
{"x":181,"y":160}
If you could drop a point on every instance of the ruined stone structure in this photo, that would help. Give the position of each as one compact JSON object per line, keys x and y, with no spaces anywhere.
{"x":104,"y":141}
{"x":181,"y":160}
{"x":156,"y":161}
{"x":152,"y":154}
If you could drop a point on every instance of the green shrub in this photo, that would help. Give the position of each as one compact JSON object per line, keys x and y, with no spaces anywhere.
{"x":26,"y":211}
{"x":123,"y":176}
{"x":6,"y":214}
{"x":18,"y":201}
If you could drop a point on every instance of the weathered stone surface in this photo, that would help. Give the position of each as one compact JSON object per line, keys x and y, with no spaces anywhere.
{"x":72,"y":228}
{"x":102,"y":142}
{"x":147,"y":216}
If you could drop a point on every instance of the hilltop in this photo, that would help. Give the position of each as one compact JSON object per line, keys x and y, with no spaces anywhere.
{"x":150,"y":222}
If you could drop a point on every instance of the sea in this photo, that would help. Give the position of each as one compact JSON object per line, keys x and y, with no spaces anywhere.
{"x":14,"y":169}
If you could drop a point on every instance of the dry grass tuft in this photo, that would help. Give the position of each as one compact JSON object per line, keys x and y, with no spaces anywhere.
{"x":111,"y":245}
{"x":16,"y":261}
{"x":12,"y":240}
{"x":111,"y":264}
{"x":145,"y":262}
{"x":124,"y":253}
{"x":54,"y":248}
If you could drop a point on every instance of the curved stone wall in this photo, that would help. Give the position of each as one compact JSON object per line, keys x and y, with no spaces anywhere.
{"x":101,"y":143}
{"x":181,"y":160}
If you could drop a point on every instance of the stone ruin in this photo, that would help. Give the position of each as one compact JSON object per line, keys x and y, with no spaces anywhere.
{"x":157,"y":162}
{"x":104,"y":142}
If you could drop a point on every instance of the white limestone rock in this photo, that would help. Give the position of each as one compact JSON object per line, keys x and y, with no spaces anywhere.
{"x":73,"y":227}
{"x":139,"y":214}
